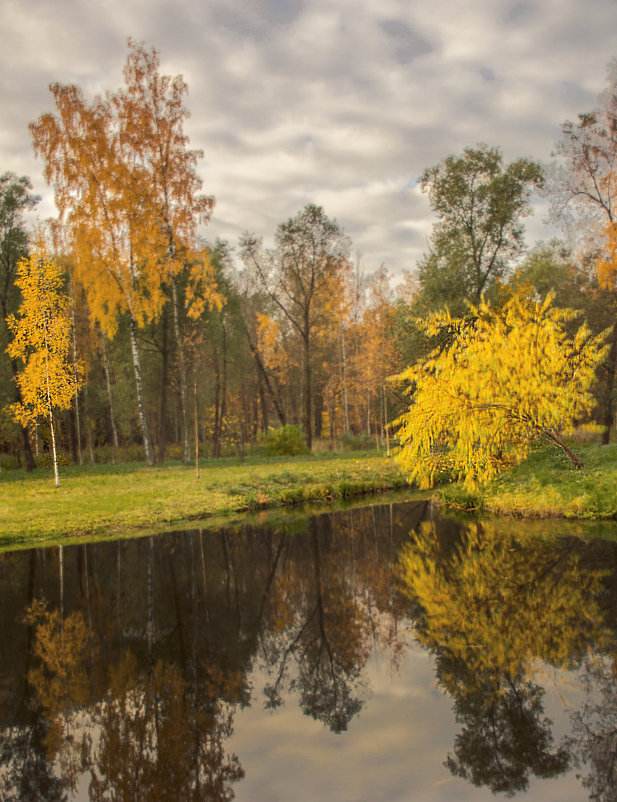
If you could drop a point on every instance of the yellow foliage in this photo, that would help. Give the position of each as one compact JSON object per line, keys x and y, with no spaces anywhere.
{"x":498,"y":603}
{"x":42,"y":339}
{"x":505,"y":378}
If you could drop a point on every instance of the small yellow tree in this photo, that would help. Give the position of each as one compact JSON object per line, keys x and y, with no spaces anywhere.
{"x":506,"y":378}
{"x":42,"y":339}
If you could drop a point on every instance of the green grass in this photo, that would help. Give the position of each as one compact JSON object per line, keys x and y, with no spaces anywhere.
{"x":547,"y":485}
{"x":110,"y":500}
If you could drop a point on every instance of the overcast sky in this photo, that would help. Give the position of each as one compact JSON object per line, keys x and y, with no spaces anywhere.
{"x":342,"y":103}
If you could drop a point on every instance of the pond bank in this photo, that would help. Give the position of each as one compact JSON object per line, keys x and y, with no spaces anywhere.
{"x":546,"y":485}
{"x":110,"y":500}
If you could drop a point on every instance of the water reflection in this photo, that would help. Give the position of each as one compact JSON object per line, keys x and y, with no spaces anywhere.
{"x":125,"y":664}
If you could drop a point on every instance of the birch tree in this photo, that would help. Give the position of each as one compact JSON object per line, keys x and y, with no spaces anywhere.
{"x":151,"y":114}
{"x":42,"y":339}
{"x":102,"y":192}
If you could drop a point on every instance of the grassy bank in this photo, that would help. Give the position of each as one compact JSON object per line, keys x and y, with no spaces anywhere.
{"x":546,"y":485}
{"x":119,"y":499}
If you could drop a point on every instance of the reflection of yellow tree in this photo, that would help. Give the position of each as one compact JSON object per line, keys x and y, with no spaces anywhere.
{"x":60,"y":681}
{"x":154,"y":736}
{"x":493,"y":607}
{"x":159,"y":741}
{"x":499,"y":602}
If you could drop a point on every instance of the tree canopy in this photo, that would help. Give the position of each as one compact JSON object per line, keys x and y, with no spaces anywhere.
{"x":505,"y":378}
{"x":479,"y":202}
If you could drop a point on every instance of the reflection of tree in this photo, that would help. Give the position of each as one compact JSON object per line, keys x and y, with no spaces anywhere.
{"x":319,"y":625}
{"x":159,"y":742}
{"x":505,"y":737}
{"x":154,"y":735}
{"x":594,"y":727}
{"x":494,"y":606}
{"x":150,"y":643}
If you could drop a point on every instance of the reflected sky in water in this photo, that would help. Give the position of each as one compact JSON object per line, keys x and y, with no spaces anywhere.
{"x":385,"y":652}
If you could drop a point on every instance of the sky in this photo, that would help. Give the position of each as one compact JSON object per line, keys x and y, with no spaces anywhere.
{"x":342,"y":103}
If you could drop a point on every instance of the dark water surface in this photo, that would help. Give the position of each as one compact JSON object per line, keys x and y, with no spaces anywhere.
{"x":380,"y":653}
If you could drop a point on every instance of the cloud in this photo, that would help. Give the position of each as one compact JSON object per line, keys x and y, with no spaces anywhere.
{"x":337,"y":103}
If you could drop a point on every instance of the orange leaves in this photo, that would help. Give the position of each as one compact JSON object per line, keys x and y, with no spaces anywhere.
{"x":125,"y":183}
{"x":606,"y":265}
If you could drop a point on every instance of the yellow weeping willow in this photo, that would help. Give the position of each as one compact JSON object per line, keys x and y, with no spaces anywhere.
{"x":505,"y":378}
{"x":41,"y":338}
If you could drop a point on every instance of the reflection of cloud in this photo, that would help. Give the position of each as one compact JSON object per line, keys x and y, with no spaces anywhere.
{"x":295,"y":101}
{"x":394,"y":750}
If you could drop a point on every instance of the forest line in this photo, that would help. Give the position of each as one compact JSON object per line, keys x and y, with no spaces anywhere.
{"x":173,"y":346}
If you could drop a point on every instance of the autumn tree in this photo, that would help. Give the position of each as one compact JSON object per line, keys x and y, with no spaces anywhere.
{"x":42,"y":339}
{"x":582,"y":185}
{"x":16,"y":198}
{"x":377,"y":356}
{"x":494,"y":604}
{"x":310,"y":249}
{"x":151,"y":114}
{"x":102,"y":192}
{"x":504,"y":379}
{"x":480,"y":203}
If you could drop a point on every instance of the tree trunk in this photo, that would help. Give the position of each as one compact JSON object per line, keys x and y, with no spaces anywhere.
{"x":554,"y":437}
{"x":162,"y":433}
{"x":50,"y":411}
{"x":385,"y":420}
{"x":318,"y":407}
{"x":77,"y":415}
{"x":110,"y":401}
{"x":88,"y":424}
{"x":611,"y":370}
{"x":263,"y":404}
{"x":261,"y":370}
{"x":186,"y":456}
{"x":344,"y":377}
{"x":196,"y":422}
{"x":217,"y":402}
{"x":308,"y":391}
{"x":140,"y":392}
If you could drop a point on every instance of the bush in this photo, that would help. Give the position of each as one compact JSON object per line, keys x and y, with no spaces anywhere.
{"x":286,"y":441}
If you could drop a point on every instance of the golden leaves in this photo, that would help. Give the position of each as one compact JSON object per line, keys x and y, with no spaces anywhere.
{"x":41,"y":338}
{"x":505,"y":378}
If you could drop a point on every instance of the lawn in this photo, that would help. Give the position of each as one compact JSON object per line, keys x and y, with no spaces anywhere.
{"x":109,"y":500}
{"x":547,"y":485}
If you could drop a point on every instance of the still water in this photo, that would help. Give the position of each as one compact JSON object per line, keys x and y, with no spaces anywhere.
{"x":377,"y":653}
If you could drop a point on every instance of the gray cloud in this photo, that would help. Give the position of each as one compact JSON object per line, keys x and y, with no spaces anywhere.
{"x":338,"y":103}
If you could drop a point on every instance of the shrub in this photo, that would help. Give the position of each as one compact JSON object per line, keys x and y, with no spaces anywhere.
{"x":288,"y":440}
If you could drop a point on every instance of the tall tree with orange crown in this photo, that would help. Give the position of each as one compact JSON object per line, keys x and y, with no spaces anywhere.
{"x":151,"y":114}
{"x":102,"y":192}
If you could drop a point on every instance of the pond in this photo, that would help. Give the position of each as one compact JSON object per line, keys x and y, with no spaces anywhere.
{"x":384,"y":652}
